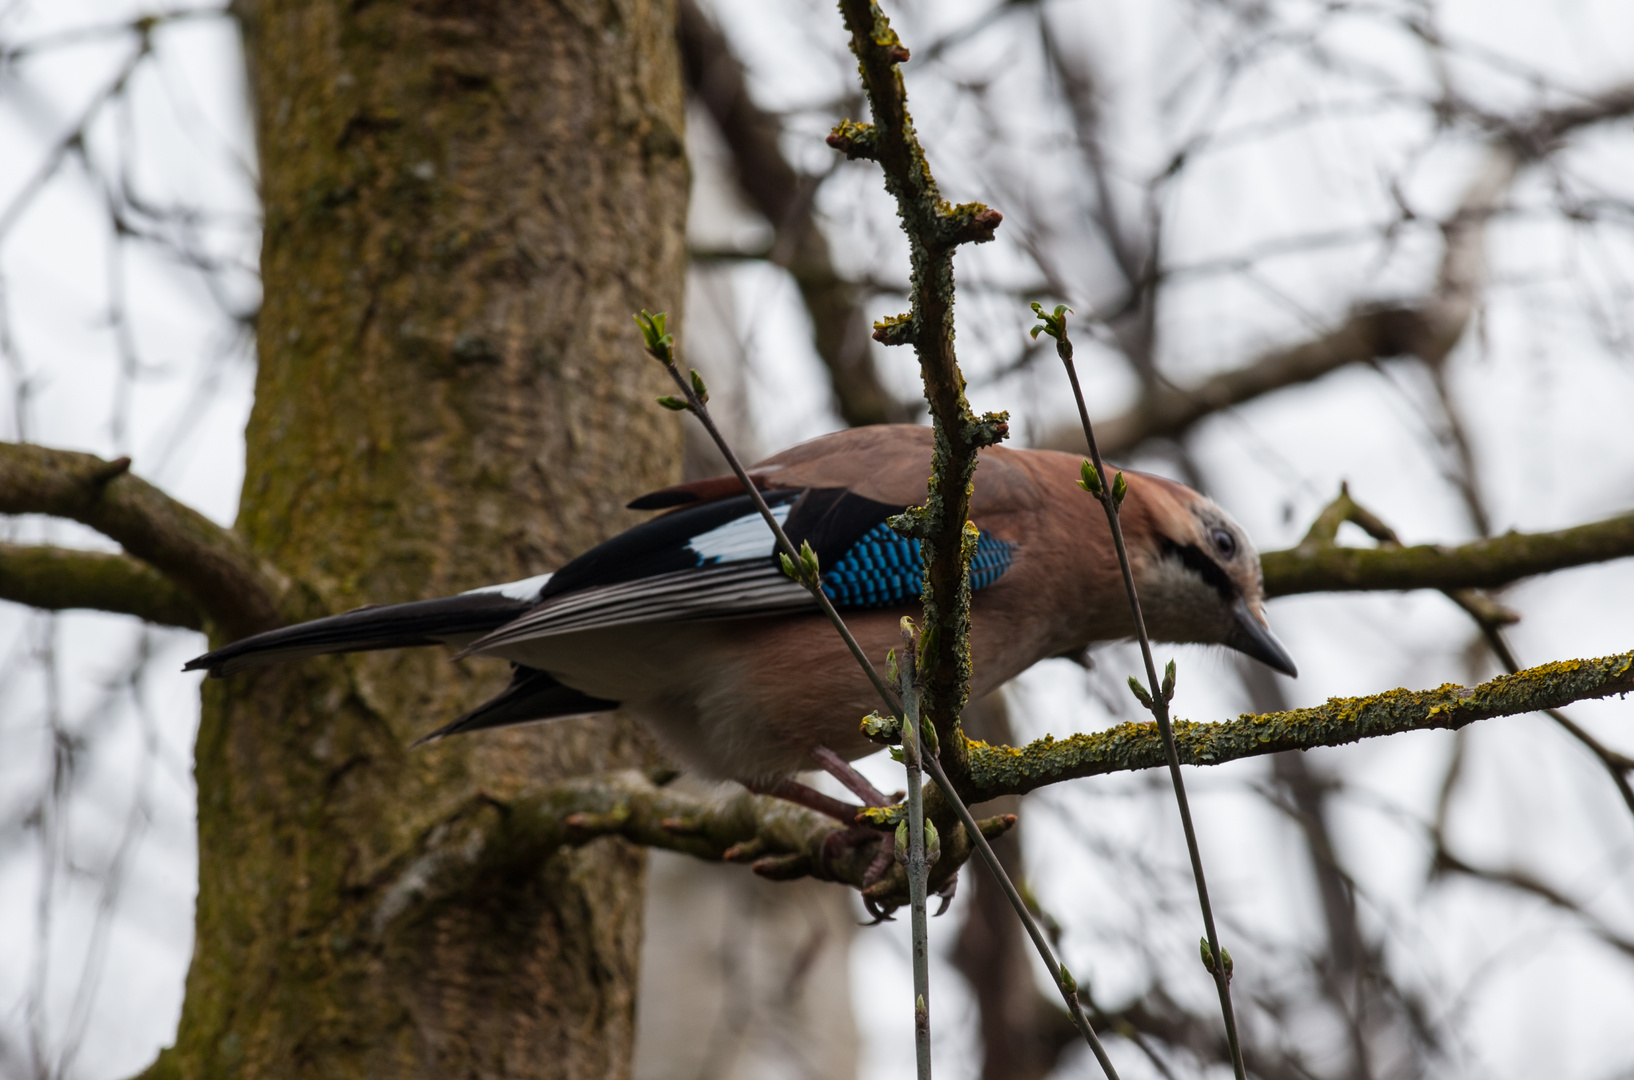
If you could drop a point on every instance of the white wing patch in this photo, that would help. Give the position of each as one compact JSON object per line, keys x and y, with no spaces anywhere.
{"x":735,"y":578}
{"x":712,"y":592}
{"x":746,"y":537}
{"x":526,"y":589}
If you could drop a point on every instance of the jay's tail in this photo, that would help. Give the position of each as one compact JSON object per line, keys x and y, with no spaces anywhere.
{"x":453,"y":620}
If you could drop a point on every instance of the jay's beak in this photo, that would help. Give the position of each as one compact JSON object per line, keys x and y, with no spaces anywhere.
{"x":1251,"y":637}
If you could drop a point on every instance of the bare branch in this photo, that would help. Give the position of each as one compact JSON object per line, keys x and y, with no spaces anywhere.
{"x":1537,"y":134}
{"x":998,"y":770}
{"x":1368,"y":334}
{"x":209,"y":563}
{"x":1522,"y":881}
{"x":778,"y":839}
{"x":59,"y":579}
{"x":1480,"y":564}
{"x":1428,"y":329}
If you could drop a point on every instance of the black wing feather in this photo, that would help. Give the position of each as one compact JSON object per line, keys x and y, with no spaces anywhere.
{"x":832,"y":519}
{"x":532,"y":695}
{"x":654,"y":547}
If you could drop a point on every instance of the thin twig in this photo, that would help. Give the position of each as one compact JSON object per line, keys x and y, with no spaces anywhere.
{"x":662,"y":350}
{"x":918,"y":865}
{"x":1062,"y":978}
{"x":1109,"y":494}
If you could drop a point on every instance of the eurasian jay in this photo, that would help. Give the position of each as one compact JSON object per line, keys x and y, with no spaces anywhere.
{"x":689,"y":622}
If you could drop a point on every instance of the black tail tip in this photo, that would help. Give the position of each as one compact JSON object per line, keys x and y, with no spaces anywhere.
{"x":436,"y":736}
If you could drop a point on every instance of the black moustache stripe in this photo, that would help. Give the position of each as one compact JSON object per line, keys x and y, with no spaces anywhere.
{"x":1198,"y":562}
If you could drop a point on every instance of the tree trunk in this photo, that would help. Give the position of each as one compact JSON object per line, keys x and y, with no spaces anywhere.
{"x":464,"y":203}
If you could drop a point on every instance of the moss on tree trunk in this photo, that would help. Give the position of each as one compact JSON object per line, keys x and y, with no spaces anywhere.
{"x":464,"y":202}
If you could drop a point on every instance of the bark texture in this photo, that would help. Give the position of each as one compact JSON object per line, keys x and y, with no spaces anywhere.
{"x":464,"y":203}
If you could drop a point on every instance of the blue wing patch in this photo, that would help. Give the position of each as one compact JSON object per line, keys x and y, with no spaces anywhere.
{"x":883,"y":569}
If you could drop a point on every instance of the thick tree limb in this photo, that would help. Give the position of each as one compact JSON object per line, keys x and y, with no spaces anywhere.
{"x":783,"y":196}
{"x":778,"y":839}
{"x":997,"y":770}
{"x":58,"y":579}
{"x":1480,"y":564}
{"x":207,"y":562}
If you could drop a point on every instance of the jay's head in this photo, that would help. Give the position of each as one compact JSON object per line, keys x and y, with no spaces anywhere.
{"x":1197,"y":573}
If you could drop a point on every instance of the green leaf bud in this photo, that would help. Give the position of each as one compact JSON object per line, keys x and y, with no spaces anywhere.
{"x":659,"y":343}
{"x":1140,"y":692}
{"x":1089,"y":479}
{"x":927,"y":733}
{"x":673,"y":404}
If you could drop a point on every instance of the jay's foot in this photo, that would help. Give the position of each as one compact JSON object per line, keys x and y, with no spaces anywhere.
{"x":809,"y":797}
{"x":841,"y":770}
{"x":852,"y":837}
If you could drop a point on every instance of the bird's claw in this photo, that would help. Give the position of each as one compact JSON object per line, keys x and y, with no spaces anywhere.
{"x":879,"y":914}
{"x":949,"y":887}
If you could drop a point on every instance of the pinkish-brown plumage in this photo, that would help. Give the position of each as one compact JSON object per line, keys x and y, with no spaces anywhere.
{"x":750,"y":696}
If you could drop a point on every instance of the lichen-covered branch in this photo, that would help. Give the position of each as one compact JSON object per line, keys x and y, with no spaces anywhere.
{"x":778,"y":839}
{"x":207,"y":562}
{"x":782,"y":840}
{"x":935,"y":230}
{"x":1316,"y":566}
{"x":59,"y":579}
{"x":999,"y":770}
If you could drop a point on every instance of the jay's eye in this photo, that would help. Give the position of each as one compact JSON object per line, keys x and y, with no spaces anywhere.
{"x":1224,"y":543}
